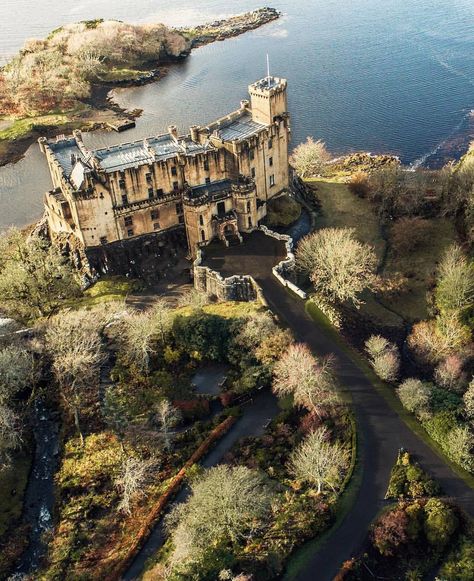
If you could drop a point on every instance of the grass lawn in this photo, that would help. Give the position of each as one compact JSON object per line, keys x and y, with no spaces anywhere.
{"x":419,"y":266}
{"x":115,"y":74}
{"x":230,"y":310}
{"x":22,"y":127}
{"x":106,"y":289}
{"x":341,"y":208}
{"x":13,"y":479}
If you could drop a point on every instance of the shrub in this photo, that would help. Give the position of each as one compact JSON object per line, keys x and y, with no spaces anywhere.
{"x":415,"y":396}
{"x":384,"y":357}
{"x":408,"y":234}
{"x":359,"y":184}
{"x":391,"y":531}
{"x":460,"y":564}
{"x":283,"y":211}
{"x":449,"y":373}
{"x":202,"y":335}
{"x":441,"y":523}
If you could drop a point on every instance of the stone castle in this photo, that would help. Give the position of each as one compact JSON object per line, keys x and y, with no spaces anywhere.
{"x":214,"y":182}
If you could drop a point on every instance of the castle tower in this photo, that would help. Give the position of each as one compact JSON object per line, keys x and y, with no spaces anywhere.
{"x":268,"y":100}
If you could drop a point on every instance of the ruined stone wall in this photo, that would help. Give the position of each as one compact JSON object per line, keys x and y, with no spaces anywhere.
{"x":233,"y":288}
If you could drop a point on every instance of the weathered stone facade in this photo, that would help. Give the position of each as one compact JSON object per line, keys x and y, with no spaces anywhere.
{"x":213,"y":182}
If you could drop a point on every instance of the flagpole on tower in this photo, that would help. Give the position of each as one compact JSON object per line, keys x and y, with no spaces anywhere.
{"x":268,"y":66}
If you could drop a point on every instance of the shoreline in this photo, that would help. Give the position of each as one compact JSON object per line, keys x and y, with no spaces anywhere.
{"x":100,"y":110}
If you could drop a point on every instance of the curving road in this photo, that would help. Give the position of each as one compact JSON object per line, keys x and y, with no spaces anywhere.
{"x":381,"y":431}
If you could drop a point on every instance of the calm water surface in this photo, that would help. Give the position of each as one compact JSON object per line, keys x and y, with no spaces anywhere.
{"x":394,"y":76}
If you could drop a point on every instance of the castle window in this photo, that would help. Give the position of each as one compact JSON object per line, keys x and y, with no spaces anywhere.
{"x":203,"y":236}
{"x":130,"y":232}
{"x":252,"y":154}
{"x":250,"y":222}
{"x":174,"y":171}
{"x":201,"y":220}
{"x":206,"y":165}
{"x":175,"y":186}
{"x":179,"y":208}
{"x":270,"y":161}
{"x":128,"y":221}
{"x":252,"y":172}
{"x":148,"y":178}
{"x":272,"y":181}
{"x":155,"y":214}
{"x":122,"y":184}
{"x":159,"y":192}
{"x":249,"y":207}
{"x":103,"y":239}
{"x":181,"y":219}
{"x":156,"y":226}
{"x":270,"y":143}
{"x":208,"y":180}
{"x":124,"y":199}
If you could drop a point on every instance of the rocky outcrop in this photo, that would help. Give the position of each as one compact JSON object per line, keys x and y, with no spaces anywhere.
{"x":229,"y":27}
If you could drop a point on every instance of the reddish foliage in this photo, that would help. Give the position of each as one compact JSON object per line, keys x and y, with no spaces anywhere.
{"x":391,"y":531}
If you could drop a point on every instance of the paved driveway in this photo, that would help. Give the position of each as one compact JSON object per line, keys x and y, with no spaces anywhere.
{"x":381,"y":431}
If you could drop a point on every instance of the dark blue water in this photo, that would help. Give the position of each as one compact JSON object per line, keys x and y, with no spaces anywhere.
{"x":394,"y":76}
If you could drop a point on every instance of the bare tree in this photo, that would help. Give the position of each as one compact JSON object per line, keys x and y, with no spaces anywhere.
{"x":415,"y":396}
{"x":310,"y":158}
{"x":383,"y":356}
{"x":135,"y":474}
{"x":319,"y":462}
{"x":10,"y":435}
{"x":17,"y":371}
{"x":226,"y":505}
{"x":167,"y":417}
{"x":194,"y":298}
{"x":455,"y":287}
{"x":74,"y":343}
{"x":340,"y":267}
{"x":312,"y":383}
{"x":449,"y":373}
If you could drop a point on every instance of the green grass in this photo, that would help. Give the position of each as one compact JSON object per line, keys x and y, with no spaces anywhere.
{"x":385,"y":390}
{"x":107,"y":289}
{"x":419,"y":266}
{"x":20,"y":128}
{"x":230,"y":310}
{"x":342,"y":209}
{"x":13,"y":479}
{"x":124,"y":74}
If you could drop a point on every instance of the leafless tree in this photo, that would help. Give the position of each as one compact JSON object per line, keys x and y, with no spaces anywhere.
{"x":167,"y":417}
{"x":455,"y":286}
{"x":310,"y":158}
{"x":227,"y":504}
{"x":194,"y":298}
{"x":74,"y":343}
{"x":340,"y":267}
{"x":384,"y":357}
{"x":449,"y":373}
{"x":415,"y":396}
{"x":135,"y":474}
{"x":10,"y":434}
{"x":17,"y":371}
{"x":319,"y":462}
{"x":311,"y":382}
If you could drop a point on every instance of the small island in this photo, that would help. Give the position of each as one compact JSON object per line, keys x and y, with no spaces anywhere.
{"x":61,"y":83}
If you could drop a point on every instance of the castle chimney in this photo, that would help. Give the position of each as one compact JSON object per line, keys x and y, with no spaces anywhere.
{"x":244,"y":104}
{"x":194,"y":129}
{"x":173,"y":131}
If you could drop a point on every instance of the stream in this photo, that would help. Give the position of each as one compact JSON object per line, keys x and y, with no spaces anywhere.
{"x":39,"y":496}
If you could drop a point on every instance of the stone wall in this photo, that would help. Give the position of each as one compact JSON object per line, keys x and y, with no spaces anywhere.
{"x":284,"y":271}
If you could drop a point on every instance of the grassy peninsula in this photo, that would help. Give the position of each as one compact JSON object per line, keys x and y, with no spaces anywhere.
{"x":61,"y":82}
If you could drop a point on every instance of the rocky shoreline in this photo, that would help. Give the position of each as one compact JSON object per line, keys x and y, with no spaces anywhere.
{"x":103,"y":113}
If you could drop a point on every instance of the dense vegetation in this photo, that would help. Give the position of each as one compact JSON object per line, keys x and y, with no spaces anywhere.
{"x":57,"y":73}
{"x":415,"y":536}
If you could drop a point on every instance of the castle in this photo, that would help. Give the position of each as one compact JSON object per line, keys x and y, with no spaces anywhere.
{"x":214,"y":182}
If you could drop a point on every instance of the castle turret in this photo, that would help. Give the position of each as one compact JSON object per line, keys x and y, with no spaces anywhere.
{"x":268,"y":99}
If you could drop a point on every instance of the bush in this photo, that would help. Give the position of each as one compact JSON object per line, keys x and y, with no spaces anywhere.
{"x":408,"y":234}
{"x":202,"y":335}
{"x":391,"y":531}
{"x":441,"y":523}
{"x":283,"y":211}
{"x":415,"y":396}
{"x":460,"y":564}
{"x":384,"y":357}
{"x":359,"y":184}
